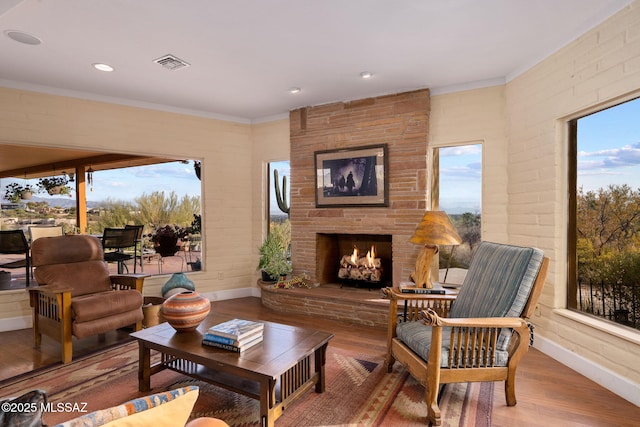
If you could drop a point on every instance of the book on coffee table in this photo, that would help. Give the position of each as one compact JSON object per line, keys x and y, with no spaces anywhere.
{"x":237,"y":329}
{"x":231,"y":347}
{"x":232,"y":341}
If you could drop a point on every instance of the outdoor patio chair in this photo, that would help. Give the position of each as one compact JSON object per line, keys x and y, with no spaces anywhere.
{"x":137,"y":249}
{"x":14,"y":242}
{"x":119,"y":239}
{"x":77,"y":296}
{"x":37,"y":231}
{"x":482,"y":336}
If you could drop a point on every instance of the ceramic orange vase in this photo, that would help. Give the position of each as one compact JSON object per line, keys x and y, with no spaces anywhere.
{"x":185,"y":311}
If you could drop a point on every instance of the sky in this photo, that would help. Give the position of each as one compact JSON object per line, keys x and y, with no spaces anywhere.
{"x":609,"y":147}
{"x":128,"y":183}
{"x":461,"y":179}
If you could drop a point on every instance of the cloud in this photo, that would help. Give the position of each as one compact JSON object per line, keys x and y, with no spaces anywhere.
{"x":461,"y":150}
{"x":611,"y":158}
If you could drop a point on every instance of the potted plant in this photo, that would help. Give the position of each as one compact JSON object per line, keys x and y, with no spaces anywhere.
{"x":165,"y":239}
{"x":55,"y":185}
{"x":274,"y":260}
{"x":27,"y":192}
{"x":14,"y":192}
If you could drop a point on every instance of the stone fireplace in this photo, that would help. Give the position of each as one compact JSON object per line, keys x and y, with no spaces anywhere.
{"x":401,"y":121}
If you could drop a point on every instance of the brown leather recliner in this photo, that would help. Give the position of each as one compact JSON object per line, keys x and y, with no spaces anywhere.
{"x":76,"y":295}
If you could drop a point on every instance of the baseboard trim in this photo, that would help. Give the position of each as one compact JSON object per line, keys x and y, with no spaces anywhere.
{"x":232,"y":294}
{"x":15,"y":323}
{"x":599,"y":374}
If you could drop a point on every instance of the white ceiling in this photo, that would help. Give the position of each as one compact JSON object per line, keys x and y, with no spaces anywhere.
{"x":246,"y":54}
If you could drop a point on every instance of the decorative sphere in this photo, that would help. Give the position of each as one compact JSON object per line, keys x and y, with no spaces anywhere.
{"x":186,"y":310}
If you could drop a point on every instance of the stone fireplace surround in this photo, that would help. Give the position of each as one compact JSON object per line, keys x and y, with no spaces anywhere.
{"x":401,"y":121}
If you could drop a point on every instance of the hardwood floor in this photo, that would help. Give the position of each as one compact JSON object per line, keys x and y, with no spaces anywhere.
{"x":548,"y":392}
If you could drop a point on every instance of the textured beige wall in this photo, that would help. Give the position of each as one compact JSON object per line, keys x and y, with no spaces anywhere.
{"x":270,"y":144}
{"x":600,"y":68}
{"x":478,"y":117}
{"x":225,"y":148}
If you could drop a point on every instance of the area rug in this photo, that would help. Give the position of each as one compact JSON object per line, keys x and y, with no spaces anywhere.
{"x":359,"y":392}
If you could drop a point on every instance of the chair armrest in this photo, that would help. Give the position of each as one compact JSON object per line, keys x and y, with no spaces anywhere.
{"x":48,"y":290}
{"x":431,"y":318}
{"x":128,"y":281}
{"x":52,"y":303}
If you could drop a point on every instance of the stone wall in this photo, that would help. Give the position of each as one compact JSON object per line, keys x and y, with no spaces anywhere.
{"x":401,"y":121}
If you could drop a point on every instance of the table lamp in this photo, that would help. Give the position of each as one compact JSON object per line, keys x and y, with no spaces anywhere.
{"x":434,"y":229}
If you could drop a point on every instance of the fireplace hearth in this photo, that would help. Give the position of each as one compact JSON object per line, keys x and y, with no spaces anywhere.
{"x":354,"y":259}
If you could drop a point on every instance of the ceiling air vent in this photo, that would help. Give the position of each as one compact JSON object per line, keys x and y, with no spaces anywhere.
{"x":171,"y":62}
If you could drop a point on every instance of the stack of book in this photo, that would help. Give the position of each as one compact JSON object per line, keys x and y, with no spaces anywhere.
{"x":234,"y":335}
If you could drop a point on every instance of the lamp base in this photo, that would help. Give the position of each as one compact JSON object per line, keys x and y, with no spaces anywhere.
{"x":421,"y":276}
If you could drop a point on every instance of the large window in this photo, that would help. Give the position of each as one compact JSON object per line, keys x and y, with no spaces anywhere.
{"x":457,"y":190}
{"x":163,"y":196}
{"x":604,"y":207}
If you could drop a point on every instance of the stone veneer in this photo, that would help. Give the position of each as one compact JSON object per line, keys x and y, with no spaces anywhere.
{"x":401,"y":121}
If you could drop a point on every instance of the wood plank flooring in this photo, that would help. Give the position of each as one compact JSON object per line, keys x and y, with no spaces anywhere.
{"x":548,"y":392}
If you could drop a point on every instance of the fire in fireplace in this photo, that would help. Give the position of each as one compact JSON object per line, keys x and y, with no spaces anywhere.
{"x":366,"y":268}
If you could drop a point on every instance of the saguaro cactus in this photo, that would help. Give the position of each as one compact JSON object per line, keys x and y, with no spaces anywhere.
{"x":281,"y":197}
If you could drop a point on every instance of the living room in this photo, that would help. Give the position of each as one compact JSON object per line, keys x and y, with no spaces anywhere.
{"x":521,"y":123}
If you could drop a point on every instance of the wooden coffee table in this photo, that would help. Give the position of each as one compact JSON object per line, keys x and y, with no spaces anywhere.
{"x":288,"y":363}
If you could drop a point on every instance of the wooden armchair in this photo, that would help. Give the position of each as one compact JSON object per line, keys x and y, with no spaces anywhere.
{"x":481,"y":336}
{"x":77,"y":296}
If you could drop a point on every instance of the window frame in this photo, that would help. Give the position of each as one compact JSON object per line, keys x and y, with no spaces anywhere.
{"x":572,"y":149}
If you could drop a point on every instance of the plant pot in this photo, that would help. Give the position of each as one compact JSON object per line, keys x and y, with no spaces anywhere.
{"x":54,"y":190}
{"x":5,"y":279}
{"x":267,"y":278}
{"x":151,"y":311}
{"x":185,"y":311}
{"x":195,"y":265}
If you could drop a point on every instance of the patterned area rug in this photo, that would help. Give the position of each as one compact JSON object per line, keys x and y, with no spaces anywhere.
{"x":359,"y":392}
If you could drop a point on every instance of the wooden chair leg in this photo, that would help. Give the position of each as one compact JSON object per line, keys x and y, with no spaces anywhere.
{"x":66,"y":338}
{"x":37,"y":335}
{"x":67,"y":351}
{"x":431,"y":397}
{"x":510,"y":387}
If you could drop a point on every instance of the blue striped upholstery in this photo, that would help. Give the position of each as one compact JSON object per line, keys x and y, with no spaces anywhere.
{"x":497,"y":284}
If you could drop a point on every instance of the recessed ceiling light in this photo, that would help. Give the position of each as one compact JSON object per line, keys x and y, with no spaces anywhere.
{"x":103,"y":67}
{"x":294,"y":90}
{"x":366,"y":74}
{"x":23,"y":37}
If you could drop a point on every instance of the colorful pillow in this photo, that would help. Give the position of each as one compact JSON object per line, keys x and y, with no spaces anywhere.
{"x":170,"y":408}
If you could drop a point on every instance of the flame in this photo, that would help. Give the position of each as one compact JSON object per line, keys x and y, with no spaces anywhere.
{"x":354,"y":255}
{"x":371,"y":255}
{"x":369,"y":258}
